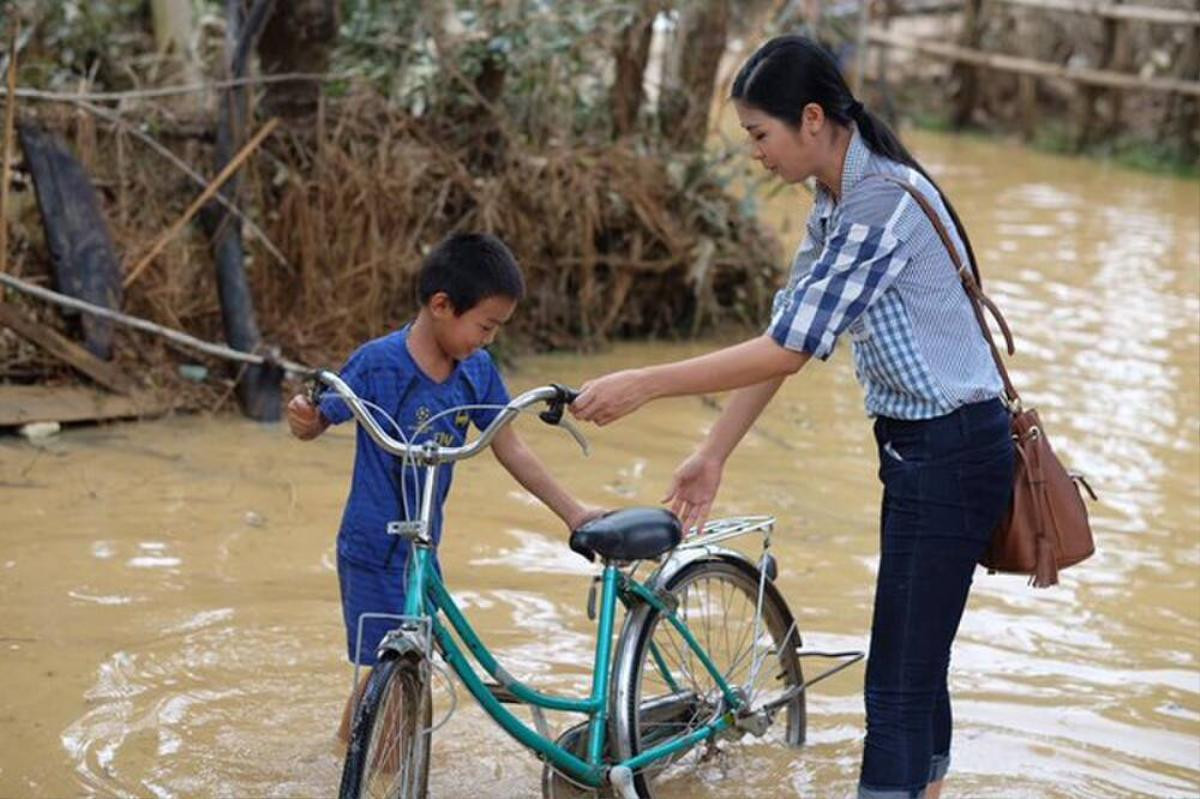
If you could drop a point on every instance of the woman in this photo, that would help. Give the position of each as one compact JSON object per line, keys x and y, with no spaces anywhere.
{"x":871,"y":265}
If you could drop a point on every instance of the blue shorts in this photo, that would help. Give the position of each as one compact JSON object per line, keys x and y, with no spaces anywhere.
{"x":368,"y":589}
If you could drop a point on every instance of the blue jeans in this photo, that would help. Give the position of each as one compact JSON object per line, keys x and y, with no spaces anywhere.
{"x":947,"y":483}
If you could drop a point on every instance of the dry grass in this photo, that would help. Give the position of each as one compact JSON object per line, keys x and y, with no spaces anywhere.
{"x":611,"y":245}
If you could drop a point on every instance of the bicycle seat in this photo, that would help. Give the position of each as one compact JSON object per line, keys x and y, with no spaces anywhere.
{"x":628,"y":534}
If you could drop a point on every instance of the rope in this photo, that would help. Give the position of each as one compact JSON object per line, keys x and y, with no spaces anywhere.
{"x":219,"y":350}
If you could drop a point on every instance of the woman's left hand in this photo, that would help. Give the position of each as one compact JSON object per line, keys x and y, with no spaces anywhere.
{"x":608,"y":398}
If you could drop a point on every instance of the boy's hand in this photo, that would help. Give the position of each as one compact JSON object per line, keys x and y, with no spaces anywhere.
{"x":583,"y":515}
{"x":304,"y":418}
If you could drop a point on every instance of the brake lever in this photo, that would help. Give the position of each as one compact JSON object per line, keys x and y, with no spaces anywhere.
{"x":554,"y":415}
{"x":570,"y":427}
{"x":313,"y":389}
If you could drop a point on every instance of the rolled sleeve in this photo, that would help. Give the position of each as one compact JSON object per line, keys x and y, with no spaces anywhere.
{"x":859,"y":262}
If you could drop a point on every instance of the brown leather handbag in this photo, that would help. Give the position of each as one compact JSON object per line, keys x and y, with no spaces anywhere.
{"x":1046,"y":528}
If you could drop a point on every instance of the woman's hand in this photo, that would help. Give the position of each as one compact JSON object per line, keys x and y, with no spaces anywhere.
{"x":304,"y":418}
{"x":608,"y":398}
{"x":693,"y":489}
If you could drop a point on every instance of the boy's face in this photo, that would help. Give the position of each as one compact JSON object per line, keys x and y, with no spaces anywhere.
{"x":461,"y":335}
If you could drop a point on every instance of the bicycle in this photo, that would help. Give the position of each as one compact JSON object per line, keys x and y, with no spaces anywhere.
{"x":659,"y":696}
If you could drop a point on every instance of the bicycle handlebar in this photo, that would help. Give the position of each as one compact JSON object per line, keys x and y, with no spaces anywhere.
{"x":555,"y":396}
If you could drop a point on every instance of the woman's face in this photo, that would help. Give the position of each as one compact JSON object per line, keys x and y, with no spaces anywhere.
{"x":792,"y":153}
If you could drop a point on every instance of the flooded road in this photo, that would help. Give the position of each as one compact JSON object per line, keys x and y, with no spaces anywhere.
{"x":171,"y":623}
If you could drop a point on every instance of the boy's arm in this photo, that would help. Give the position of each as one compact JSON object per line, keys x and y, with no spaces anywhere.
{"x":522,"y":464}
{"x":305,"y":419}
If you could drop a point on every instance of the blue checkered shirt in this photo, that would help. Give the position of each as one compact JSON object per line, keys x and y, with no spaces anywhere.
{"x":871,"y":265}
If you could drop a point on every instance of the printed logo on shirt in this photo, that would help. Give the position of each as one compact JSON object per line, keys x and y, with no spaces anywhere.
{"x":461,"y":419}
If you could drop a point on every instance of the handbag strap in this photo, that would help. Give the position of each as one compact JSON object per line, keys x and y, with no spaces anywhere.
{"x":971,"y":284}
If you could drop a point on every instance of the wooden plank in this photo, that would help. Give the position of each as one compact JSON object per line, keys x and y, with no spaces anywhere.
{"x":1027,"y":66}
{"x":68,"y":351}
{"x":77,"y":235}
{"x":1134,"y":13}
{"x":24,"y":404}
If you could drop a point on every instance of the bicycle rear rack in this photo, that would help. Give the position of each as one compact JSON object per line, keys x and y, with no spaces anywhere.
{"x":724,"y":529}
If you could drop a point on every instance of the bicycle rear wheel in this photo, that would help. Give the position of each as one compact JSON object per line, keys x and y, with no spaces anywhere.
{"x":663,"y":692}
{"x":388,"y":756}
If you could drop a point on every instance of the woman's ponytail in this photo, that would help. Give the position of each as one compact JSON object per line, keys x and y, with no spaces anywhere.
{"x":880,"y":138}
{"x":788,"y":72}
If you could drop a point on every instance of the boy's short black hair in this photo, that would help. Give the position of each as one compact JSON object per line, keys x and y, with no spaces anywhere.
{"x":469,"y":268}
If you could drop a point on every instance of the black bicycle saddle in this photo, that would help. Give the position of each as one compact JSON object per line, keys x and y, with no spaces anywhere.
{"x":628,"y":534}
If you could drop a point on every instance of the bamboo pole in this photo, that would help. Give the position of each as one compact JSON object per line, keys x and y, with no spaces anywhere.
{"x":10,"y":114}
{"x":199,"y":202}
{"x":1136,"y":13}
{"x":1031,"y":67}
{"x":122,"y":125}
{"x":137,"y":323}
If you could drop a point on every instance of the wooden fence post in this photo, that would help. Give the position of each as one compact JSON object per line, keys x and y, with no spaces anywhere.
{"x":966,"y":76}
{"x":1187,"y":108}
{"x":259,"y":388}
{"x":1090,"y":95}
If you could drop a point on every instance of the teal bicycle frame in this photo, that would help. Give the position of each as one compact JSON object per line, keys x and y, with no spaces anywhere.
{"x":426,"y":595}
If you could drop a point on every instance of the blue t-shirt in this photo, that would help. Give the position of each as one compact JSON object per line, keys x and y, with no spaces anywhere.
{"x":383,"y":372}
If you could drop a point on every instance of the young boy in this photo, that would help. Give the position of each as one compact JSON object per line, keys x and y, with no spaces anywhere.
{"x":468,"y":287}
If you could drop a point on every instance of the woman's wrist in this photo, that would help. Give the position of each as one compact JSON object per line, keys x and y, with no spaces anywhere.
{"x":713,"y":451}
{"x":651,"y":380}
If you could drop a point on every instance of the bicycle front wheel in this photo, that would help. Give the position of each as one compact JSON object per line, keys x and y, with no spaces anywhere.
{"x":664,"y":692}
{"x":388,"y":756}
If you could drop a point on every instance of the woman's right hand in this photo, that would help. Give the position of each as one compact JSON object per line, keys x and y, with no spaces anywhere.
{"x":304,"y":418}
{"x":693,"y":489}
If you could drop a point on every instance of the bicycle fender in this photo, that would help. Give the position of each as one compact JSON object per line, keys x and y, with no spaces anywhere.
{"x":681,"y":558}
{"x":401,"y":642}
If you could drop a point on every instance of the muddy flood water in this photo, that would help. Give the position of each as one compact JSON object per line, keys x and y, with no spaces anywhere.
{"x":171,"y":624}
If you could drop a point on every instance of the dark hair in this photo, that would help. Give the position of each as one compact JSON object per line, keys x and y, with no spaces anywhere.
{"x":789,"y":72}
{"x":469,"y":268}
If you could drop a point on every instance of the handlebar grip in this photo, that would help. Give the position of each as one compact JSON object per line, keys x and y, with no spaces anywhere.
{"x":568,"y":394}
{"x":554,"y":413}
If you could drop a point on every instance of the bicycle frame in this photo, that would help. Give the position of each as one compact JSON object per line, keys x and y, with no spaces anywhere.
{"x":426,"y":595}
